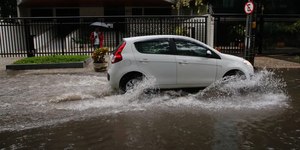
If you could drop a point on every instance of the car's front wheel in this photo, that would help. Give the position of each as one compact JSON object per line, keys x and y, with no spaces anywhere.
{"x":234,"y":73}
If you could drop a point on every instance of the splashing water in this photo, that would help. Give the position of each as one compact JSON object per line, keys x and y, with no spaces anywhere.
{"x":263,"y":82}
{"x":263,"y":90}
{"x":136,"y":97}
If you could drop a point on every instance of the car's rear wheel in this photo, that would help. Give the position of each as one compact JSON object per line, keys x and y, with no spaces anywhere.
{"x":129,"y":82}
{"x":132,"y":83}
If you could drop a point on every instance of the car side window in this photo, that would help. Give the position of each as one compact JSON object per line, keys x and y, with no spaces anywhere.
{"x":153,"y":47}
{"x":187,"y":48}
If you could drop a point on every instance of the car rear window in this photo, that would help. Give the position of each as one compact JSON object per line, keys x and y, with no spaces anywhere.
{"x":153,"y":47}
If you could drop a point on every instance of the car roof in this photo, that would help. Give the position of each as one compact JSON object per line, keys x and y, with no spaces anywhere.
{"x":149,"y":37}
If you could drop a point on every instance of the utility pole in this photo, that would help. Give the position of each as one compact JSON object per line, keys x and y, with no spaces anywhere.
{"x":260,"y":37}
{"x":249,"y":40}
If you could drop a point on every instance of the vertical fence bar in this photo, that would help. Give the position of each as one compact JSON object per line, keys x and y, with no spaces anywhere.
{"x":22,"y":39}
{"x":49,"y":27}
{"x":42,"y":39}
{"x":205,"y":30}
{"x":75,"y":33}
{"x":10,"y":31}
{"x":38,"y":38}
{"x":5,"y":46}
{"x":56,"y":39}
{"x":27,"y":36}
{"x":13,"y":37}
{"x":1,"y":40}
{"x":34,"y":43}
{"x":61,"y":38}
{"x":8,"y":37}
{"x":4,"y":41}
{"x":134,"y":26}
{"x":18,"y":39}
{"x":37,"y":45}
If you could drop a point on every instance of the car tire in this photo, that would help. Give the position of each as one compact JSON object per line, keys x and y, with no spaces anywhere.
{"x":129,"y":82}
{"x":236,"y":73}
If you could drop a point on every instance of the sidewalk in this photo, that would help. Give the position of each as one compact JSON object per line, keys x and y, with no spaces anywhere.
{"x":267,"y":62}
{"x":6,"y":61}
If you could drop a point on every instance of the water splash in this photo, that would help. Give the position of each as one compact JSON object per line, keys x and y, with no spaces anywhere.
{"x":264,"y":90}
{"x":263,"y":82}
{"x":109,"y":100}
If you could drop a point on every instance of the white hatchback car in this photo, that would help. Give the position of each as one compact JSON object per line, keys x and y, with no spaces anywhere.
{"x":175,"y":62}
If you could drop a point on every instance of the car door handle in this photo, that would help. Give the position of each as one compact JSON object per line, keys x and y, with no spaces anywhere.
{"x":183,"y":62}
{"x":144,"y":60}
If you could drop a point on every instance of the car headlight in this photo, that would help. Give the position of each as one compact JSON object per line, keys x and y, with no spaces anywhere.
{"x":247,"y":63}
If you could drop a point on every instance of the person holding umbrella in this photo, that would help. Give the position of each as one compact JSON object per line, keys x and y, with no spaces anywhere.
{"x":97,"y":38}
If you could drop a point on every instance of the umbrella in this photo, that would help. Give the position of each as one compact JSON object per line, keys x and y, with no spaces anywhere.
{"x":102,"y":24}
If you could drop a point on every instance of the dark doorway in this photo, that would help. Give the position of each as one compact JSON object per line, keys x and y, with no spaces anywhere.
{"x":67,"y":12}
{"x":41,"y":12}
{"x":157,"y":11}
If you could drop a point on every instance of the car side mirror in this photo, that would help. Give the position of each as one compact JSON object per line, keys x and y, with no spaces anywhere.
{"x":208,"y":53}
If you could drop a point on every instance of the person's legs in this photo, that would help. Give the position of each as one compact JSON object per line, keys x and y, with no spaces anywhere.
{"x":96,"y":46}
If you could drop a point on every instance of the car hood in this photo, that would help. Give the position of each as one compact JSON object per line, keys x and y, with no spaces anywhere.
{"x":231,"y":57}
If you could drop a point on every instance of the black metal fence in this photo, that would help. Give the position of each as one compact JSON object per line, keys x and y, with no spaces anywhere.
{"x":273,"y":33}
{"x":21,"y":37}
{"x":229,"y":33}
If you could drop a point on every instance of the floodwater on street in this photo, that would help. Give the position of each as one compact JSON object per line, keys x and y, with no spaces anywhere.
{"x":80,"y":111}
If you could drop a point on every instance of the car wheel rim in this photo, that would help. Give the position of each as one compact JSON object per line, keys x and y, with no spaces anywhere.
{"x":131,"y":84}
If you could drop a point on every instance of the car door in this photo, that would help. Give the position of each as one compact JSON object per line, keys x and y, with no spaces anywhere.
{"x":195,"y":66}
{"x":156,"y":58}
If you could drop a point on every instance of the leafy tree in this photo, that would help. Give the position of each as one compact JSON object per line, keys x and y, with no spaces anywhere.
{"x":190,"y":7}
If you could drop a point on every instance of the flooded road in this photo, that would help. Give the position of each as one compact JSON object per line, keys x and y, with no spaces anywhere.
{"x":80,"y":111}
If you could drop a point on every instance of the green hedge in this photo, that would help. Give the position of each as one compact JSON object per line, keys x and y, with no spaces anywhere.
{"x":52,"y":59}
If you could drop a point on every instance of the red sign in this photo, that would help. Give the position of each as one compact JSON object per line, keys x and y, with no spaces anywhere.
{"x":249,"y":7}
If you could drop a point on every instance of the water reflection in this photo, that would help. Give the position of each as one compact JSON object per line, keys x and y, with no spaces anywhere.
{"x":80,"y":111}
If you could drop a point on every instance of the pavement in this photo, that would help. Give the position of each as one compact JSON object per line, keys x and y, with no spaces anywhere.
{"x":268,"y":62}
{"x":259,"y":62}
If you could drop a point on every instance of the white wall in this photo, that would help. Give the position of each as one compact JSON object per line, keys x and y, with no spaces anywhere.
{"x":210,"y":30}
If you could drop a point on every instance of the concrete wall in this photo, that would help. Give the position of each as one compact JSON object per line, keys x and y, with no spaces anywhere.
{"x":91,"y":11}
{"x":84,"y":11}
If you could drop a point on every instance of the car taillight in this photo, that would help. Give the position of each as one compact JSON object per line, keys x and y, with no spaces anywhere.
{"x":117,"y":55}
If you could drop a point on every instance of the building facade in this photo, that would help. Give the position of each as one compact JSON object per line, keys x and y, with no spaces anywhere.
{"x":58,"y":8}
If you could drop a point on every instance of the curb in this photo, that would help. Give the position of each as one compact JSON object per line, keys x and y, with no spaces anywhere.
{"x":49,"y":66}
